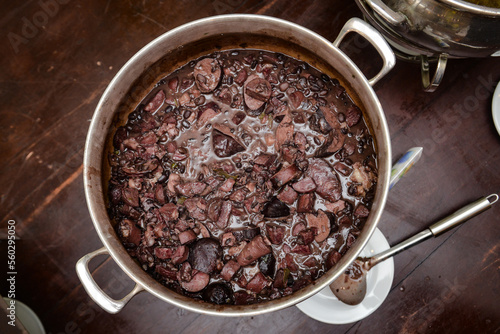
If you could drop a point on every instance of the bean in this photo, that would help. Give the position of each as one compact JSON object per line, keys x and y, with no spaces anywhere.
{"x":341,"y":117}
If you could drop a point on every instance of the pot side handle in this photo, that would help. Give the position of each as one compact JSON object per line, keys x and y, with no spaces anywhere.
{"x":107,"y":303}
{"x":376,"y":40}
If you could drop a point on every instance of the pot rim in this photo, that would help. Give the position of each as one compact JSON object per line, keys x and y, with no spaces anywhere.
{"x":106,"y":232}
{"x":472,"y":8}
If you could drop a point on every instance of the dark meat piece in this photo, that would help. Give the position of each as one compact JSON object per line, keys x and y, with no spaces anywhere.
{"x":156,"y":102}
{"x":130,"y":196}
{"x":169,"y":273}
{"x":181,"y":254}
{"x":239,"y":117}
{"x":328,"y":184}
{"x":213,"y":211}
{"x":204,"y":254}
{"x":321,"y":223}
{"x":129,"y":232}
{"x":246,"y":233}
{"x":281,"y":278}
{"x":228,"y":239}
{"x":225,"y":146}
{"x":284,"y":133}
{"x":207,"y":74}
{"x":267,"y":264}
{"x":159,"y":194}
{"x":307,"y":236}
{"x":353,"y":115}
{"x":290,"y":262}
{"x":187,"y":237}
{"x":342,"y":168}
{"x":265,"y":159}
{"x":190,"y":189}
{"x":218,"y":293}
{"x":332,"y":258}
{"x":241,"y":77}
{"x":285,"y":175}
{"x":334,"y":142}
{"x":253,"y":250}
{"x":169,"y":212}
{"x":197,"y":207}
{"x":229,"y":269}
{"x":287,"y":195}
{"x":205,"y":116}
{"x":225,"y":213}
{"x":275,"y":209}
{"x":296,"y":99}
{"x":302,"y":250}
{"x":361,"y":211}
{"x":306,"y":202}
{"x":256,"y":92}
{"x":275,"y":233}
{"x":257,"y":283}
{"x":243,"y":298}
{"x":305,"y":185}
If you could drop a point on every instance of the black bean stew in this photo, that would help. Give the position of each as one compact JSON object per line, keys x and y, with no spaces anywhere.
{"x":243,"y":177}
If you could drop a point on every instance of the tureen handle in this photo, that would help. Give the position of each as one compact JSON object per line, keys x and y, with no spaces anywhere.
{"x":107,"y":303}
{"x":376,"y":40}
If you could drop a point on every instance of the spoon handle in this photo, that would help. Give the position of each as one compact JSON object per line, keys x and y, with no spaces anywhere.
{"x":445,"y":224}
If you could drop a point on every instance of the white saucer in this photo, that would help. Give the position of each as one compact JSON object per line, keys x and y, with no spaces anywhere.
{"x":495,"y":108}
{"x":325,"y":307}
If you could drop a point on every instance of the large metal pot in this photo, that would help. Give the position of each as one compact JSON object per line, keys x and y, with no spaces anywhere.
{"x":441,"y":29}
{"x":190,"y":41}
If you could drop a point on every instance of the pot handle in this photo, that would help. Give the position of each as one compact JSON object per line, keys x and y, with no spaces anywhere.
{"x":373,"y":36}
{"x":107,"y":303}
{"x":390,"y":16}
{"x":431,"y":85}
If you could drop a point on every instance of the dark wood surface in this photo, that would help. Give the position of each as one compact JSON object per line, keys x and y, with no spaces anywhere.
{"x":52,"y":76}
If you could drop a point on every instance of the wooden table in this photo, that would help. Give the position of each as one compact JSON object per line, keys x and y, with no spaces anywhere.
{"x":58,"y":57}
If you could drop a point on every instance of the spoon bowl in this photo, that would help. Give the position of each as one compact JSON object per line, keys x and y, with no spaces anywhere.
{"x":350,"y":286}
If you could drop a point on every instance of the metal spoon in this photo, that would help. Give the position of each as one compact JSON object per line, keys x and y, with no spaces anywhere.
{"x":350,"y":287}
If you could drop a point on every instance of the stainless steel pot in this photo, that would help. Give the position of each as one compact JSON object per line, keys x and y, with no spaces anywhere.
{"x":168,"y":52}
{"x":436,"y":28}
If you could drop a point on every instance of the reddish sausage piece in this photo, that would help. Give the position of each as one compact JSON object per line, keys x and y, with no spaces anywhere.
{"x":256,"y":92}
{"x":275,"y":233}
{"x":207,"y":74}
{"x":305,"y":185}
{"x":187,"y":237}
{"x":197,"y":283}
{"x":156,"y":102}
{"x":285,"y":175}
{"x":328,"y":184}
{"x":321,"y":223}
{"x":257,"y":283}
{"x":287,"y":195}
{"x":306,"y":203}
{"x":253,"y":250}
{"x":230,"y":268}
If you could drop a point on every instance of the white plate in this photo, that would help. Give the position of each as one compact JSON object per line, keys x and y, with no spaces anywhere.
{"x":495,"y":108}
{"x":27,"y":317}
{"x":325,"y":307}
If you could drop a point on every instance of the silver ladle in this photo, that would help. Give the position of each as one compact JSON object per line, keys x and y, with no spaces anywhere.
{"x":350,"y":286}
